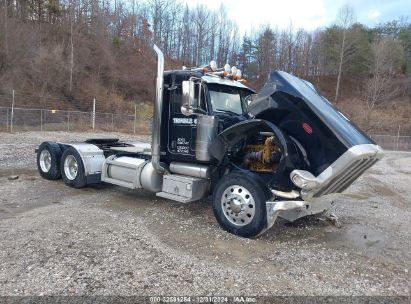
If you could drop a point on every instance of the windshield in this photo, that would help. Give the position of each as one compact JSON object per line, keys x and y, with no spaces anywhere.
{"x":229,"y":99}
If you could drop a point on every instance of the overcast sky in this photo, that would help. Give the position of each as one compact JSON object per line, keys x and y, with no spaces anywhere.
{"x":308,"y":14}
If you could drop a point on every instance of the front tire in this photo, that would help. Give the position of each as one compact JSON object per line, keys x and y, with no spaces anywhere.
{"x":48,"y":160}
{"x":239,"y":205}
{"x":72,"y":169}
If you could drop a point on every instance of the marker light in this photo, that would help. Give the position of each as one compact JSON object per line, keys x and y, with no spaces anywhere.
{"x":234,"y":70}
{"x":239,"y":74}
{"x":227,"y":68}
{"x":213,"y":65}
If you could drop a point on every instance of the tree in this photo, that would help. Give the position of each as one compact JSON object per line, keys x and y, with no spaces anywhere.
{"x":80,"y":49}
{"x":200,"y":18}
{"x":345,"y":19}
{"x":380,"y":87}
{"x":400,"y":29}
{"x":265,"y":48}
{"x":71,"y":47}
{"x":6,"y":46}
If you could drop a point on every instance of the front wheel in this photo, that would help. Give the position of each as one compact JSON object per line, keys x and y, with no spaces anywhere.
{"x":239,"y":205}
{"x":72,"y":169}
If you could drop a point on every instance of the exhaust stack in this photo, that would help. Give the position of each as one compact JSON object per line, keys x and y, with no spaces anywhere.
{"x":158,"y":106}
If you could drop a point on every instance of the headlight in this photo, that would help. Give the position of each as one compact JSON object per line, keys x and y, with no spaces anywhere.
{"x":304,"y":179}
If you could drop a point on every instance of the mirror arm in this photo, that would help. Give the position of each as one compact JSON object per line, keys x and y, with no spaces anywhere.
{"x":189,"y":110}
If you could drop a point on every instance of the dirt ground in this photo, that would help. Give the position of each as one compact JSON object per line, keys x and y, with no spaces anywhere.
{"x":106,"y":240}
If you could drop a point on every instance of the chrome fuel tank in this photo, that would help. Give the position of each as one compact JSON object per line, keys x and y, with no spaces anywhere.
{"x":131,"y":172}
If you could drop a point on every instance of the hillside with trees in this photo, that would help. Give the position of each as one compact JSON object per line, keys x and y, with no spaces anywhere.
{"x":76,"y":50}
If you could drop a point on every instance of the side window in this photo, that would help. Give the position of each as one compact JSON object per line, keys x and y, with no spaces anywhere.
{"x":203,"y":103}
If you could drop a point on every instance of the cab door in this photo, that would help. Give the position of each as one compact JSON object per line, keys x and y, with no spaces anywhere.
{"x":182,"y":130}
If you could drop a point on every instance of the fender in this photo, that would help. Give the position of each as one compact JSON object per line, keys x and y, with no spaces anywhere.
{"x":232,"y":135}
{"x":91,"y":155}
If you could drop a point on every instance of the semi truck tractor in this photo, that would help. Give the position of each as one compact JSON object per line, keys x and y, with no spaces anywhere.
{"x":283,"y":152}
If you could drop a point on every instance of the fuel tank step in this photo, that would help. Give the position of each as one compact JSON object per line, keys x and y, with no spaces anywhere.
{"x":184,"y":189}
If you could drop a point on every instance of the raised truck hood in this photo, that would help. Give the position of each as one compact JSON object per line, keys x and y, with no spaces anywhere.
{"x":338,"y":151}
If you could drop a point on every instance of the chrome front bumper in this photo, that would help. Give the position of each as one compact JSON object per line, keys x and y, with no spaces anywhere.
{"x":344,"y":171}
{"x":292,"y":210}
{"x":274,"y":209}
{"x":335,"y":179}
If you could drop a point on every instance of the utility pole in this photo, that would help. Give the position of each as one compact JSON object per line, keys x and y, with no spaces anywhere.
{"x":398,"y":135}
{"x":94,"y":113}
{"x":68,"y":120}
{"x":135,"y":118}
{"x":12,"y":114}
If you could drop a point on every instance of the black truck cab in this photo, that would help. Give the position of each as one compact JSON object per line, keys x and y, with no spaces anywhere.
{"x":225,"y":99}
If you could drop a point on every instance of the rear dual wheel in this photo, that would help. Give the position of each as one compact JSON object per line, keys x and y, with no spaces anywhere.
{"x":53,"y":163}
{"x":72,"y":169}
{"x":48,"y":160}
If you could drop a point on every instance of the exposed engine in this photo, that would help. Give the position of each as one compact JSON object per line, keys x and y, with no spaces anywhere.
{"x":259,"y":153}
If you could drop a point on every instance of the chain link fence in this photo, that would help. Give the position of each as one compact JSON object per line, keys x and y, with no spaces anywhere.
{"x":391,"y":142}
{"x":22,"y":112}
{"x":23,"y":119}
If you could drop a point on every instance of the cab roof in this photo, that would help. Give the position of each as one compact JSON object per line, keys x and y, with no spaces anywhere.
{"x":181,"y":75}
{"x":224,"y":81}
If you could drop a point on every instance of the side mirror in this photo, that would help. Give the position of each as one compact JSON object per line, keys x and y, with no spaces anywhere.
{"x":189,"y":106}
{"x":186,"y":94}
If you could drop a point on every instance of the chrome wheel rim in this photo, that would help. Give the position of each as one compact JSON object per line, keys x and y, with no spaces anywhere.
{"x":70,"y":167}
{"x":45,"y":160}
{"x":238,"y":205}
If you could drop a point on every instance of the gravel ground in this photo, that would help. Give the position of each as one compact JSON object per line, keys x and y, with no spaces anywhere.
{"x":106,"y":240}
